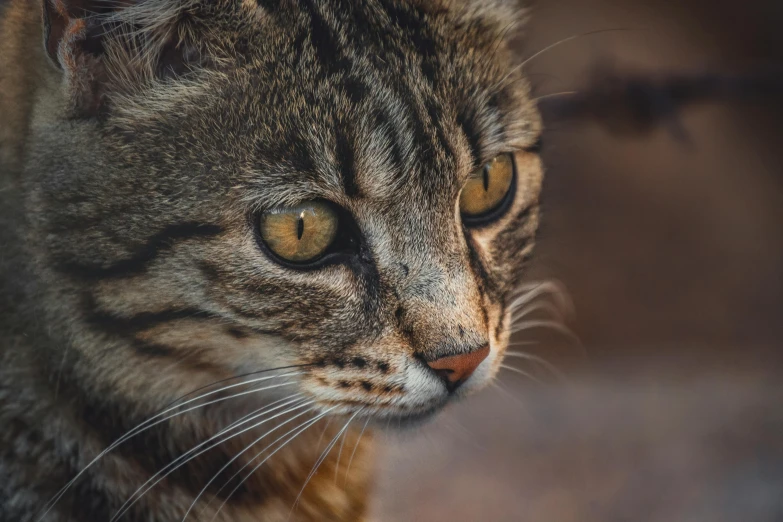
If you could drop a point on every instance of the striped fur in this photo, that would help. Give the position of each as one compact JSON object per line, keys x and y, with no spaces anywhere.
{"x":132,"y":176}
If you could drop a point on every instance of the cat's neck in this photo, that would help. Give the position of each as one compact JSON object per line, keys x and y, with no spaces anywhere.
{"x":57,"y":424}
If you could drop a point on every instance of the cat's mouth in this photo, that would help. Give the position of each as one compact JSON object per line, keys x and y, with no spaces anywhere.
{"x":412,"y":398}
{"x":397,"y":393}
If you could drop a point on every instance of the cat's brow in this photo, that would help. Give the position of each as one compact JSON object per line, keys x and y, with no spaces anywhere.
{"x":275,"y":187}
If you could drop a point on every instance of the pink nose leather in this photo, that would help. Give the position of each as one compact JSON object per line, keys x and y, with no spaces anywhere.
{"x":456,"y":369}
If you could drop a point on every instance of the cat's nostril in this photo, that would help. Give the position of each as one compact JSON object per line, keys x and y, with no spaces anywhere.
{"x":456,"y":369}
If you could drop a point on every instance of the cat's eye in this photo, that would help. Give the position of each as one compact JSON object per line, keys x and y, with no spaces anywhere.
{"x":488,"y":191}
{"x":299,"y":234}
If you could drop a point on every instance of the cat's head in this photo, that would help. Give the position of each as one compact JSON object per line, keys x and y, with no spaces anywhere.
{"x":348,"y":188}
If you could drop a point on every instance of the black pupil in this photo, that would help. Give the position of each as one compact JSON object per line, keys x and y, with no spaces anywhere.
{"x":486,"y":177}
{"x":299,"y":228}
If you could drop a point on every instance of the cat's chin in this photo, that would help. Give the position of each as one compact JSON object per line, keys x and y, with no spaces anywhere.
{"x":405,"y":422}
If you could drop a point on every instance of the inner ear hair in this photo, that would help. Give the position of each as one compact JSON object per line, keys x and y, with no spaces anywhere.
{"x":101,"y":45}
{"x":61,"y":17}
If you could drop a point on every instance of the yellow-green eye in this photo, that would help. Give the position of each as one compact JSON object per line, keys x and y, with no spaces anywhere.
{"x":299,"y":234}
{"x":487,"y":188}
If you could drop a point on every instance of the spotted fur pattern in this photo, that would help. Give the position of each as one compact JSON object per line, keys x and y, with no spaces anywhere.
{"x":133,"y":172}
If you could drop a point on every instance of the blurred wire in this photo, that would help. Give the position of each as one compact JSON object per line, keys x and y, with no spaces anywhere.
{"x":632,"y":104}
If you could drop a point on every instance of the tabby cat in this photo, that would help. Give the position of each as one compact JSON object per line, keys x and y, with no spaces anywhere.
{"x":304,"y":210}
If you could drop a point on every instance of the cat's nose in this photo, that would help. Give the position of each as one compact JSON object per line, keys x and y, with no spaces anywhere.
{"x":456,"y":369}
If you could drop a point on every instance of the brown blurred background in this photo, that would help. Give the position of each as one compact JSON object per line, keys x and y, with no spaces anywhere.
{"x":672,"y":251}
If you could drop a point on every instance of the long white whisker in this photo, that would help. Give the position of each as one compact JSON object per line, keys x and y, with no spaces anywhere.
{"x":339,"y":456}
{"x":187,"y":455}
{"x":556,"y":289}
{"x":355,"y":447}
{"x":554,"y":94}
{"x":517,"y":370}
{"x":291,"y":399}
{"x":256,"y":413}
{"x":323,"y":432}
{"x":555,"y":286}
{"x":302,"y":427}
{"x":321,"y":459}
{"x":522,"y":343}
{"x":521,"y":313}
{"x":165,"y":473}
{"x":543,"y":362}
{"x":147,"y":424}
{"x":552,"y":46}
{"x":233,"y":459}
{"x":510,"y":396}
{"x":549,"y":47}
{"x":552,"y":325}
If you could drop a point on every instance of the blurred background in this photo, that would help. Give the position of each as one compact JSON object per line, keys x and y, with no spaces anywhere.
{"x":670,"y":245}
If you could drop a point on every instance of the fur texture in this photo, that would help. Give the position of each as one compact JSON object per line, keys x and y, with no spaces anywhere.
{"x":135,"y":162}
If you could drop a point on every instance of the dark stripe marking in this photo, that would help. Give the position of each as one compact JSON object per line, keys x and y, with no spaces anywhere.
{"x":383,"y":121}
{"x":356,"y":90}
{"x":327,"y":50}
{"x":347,"y":161}
{"x":162,"y":241}
{"x":153,"y":349}
{"x":536,"y":147}
{"x":483,"y":277}
{"x":412,"y":22}
{"x":111,"y":323}
{"x":435,"y":113}
{"x":467,"y":121}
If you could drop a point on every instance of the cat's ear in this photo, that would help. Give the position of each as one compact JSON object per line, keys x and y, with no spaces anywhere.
{"x":504,"y":14}
{"x":105,"y":45}
{"x":501,"y":20}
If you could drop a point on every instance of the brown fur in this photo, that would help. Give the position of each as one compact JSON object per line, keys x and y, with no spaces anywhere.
{"x":134,"y":166}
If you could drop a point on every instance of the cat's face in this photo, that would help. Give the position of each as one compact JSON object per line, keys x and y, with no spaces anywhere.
{"x":349,"y":189}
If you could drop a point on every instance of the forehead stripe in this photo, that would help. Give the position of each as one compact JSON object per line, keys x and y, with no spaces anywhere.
{"x":322,"y":39}
{"x":466,"y":120}
{"x":347,"y":161}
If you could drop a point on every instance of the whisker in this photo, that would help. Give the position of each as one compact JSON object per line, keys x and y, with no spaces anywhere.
{"x":522,"y":343}
{"x":553,"y":287}
{"x":173,"y":466}
{"x":323,"y":432}
{"x":569,"y":39}
{"x":243,"y":383}
{"x":517,"y":68}
{"x":257,"y":412}
{"x":240,"y":376}
{"x":302,"y":427}
{"x":521,"y":313}
{"x":539,"y":360}
{"x":554,"y":94}
{"x":149,"y":423}
{"x":355,"y":447}
{"x":339,"y":456}
{"x":552,"y":325}
{"x":499,"y":387}
{"x":221,"y":470}
{"x":178,"y":463}
{"x":521,"y":372}
{"x":320,"y":460}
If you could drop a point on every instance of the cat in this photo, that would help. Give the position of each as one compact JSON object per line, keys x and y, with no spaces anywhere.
{"x":316,"y":214}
